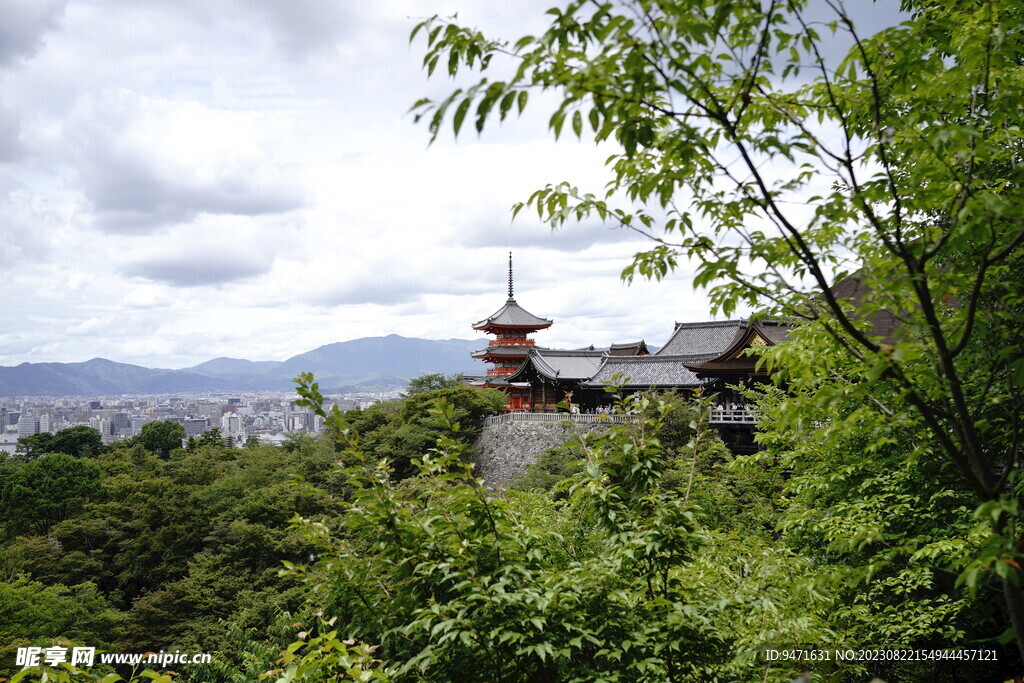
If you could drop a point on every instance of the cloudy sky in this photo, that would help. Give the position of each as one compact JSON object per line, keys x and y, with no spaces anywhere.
{"x":187,"y":179}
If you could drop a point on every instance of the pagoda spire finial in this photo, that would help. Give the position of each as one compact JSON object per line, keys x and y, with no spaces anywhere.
{"x":510,"y":275}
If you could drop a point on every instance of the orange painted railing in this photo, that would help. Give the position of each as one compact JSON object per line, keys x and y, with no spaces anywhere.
{"x":511,"y":342}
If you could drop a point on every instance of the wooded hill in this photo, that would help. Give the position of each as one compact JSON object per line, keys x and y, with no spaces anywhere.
{"x":641,"y":552}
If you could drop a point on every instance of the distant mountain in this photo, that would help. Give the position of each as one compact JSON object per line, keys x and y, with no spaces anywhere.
{"x":367,"y":364}
{"x":98,"y":377}
{"x":230,"y":367}
{"x":394,"y":355}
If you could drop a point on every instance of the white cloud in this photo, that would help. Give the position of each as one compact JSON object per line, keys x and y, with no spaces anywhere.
{"x":29,"y":230}
{"x":23,"y":26}
{"x":185,"y":179}
{"x":147,"y":163}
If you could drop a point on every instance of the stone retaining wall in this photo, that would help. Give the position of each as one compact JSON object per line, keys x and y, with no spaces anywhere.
{"x":504,"y":450}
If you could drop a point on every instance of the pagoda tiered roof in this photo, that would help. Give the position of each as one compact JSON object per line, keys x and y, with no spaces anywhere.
{"x":511,"y":351}
{"x":512,"y":315}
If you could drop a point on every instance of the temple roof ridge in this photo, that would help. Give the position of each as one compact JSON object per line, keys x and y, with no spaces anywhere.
{"x":512,"y":315}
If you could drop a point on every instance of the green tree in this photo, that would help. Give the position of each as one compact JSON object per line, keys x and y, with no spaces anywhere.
{"x":35,"y":613}
{"x":617,"y":581}
{"x":37,"y":494}
{"x":211,"y":437}
{"x":398,"y":431}
{"x":780,"y":171}
{"x":34,"y":445}
{"x":887,"y":525}
{"x":431,"y":382}
{"x":80,"y":441}
{"x":181,"y":546}
{"x":162,"y":437}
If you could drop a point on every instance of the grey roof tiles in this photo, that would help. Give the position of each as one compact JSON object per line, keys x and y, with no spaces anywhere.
{"x":648,"y":371}
{"x":576,"y":365}
{"x":705,"y":337}
{"x":512,"y":315}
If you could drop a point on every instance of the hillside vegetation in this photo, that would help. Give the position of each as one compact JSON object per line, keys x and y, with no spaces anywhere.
{"x":635,"y":553}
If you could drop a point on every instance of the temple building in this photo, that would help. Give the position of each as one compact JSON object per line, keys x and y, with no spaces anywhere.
{"x":708,"y":356}
{"x":511,"y":326}
{"x":553,"y":375}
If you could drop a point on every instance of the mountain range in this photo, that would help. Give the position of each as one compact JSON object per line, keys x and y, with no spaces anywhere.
{"x":367,"y":364}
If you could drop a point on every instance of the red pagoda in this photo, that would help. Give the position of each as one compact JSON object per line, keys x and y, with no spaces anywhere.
{"x":511,"y":325}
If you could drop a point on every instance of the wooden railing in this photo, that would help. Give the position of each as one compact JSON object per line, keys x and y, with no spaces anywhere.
{"x":728,"y":416}
{"x":501,"y":371}
{"x":511,"y":342}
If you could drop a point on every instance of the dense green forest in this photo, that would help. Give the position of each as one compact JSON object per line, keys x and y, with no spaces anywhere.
{"x":640,"y":552}
{"x":148,"y":546}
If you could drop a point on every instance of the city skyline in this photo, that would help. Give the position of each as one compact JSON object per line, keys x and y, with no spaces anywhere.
{"x":267,"y":416}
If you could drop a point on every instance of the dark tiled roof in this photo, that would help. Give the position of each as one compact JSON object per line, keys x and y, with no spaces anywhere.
{"x":744,"y":366}
{"x":734,"y":359}
{"x":711,"y":337}
{"x":630,"y":349}
{"x":512,"y":315}
{"x":649,"y":371}
{"x":774,"y":331}
{"x":883,"y":323}
{"x":571,"y":365}
{"x":577,"y":365}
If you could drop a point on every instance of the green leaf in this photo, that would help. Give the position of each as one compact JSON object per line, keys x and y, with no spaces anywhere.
{"x":460,"y":114}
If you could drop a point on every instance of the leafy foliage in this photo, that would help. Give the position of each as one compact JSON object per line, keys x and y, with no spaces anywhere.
{"x":211,"y":437}
{"x":778,"y":171}
{"x":325,"y":657}
{"x":870,"y":500}
{"x":37,"y":614}
{"x":37,"y":494}
{"x":161,"y":437}
{"x":159,"y":553}
{"x":431,"y":382}
{"x":80,"y":441}
{"x":396,"y":431}
{"x":607,"y":583}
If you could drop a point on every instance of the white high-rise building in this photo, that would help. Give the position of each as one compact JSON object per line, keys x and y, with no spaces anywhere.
{"x":27,"y":426}
{"x":231,"y":427}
